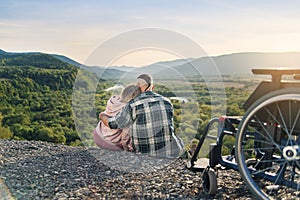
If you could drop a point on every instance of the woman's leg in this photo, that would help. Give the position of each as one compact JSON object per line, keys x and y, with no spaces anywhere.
{"x":103,"y":144}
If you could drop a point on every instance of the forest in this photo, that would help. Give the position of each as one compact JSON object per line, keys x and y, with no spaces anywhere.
{"x":37,"y":101}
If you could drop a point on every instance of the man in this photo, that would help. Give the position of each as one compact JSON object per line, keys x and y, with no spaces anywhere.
{"x":150,"y":117}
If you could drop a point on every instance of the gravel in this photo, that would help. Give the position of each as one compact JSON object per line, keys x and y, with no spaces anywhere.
{"x":40,"y":170}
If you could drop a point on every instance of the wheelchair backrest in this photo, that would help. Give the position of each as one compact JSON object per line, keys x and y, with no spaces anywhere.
{"x":275,"y":84}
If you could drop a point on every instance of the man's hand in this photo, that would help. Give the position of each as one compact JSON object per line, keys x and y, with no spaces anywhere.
{"x":104,"y":118}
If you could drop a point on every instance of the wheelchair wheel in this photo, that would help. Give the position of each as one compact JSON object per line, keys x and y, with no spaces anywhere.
{"x":209,"y":182}
{"x":268,"y":145}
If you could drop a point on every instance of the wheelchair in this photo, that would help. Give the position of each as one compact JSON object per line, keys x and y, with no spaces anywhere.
{"x":267,"y":140}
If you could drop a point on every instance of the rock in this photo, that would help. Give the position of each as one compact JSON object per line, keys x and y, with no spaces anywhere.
{"x":107,"y":173}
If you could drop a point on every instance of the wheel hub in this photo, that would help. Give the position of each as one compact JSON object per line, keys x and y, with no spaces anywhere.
{"x":291,"y":152}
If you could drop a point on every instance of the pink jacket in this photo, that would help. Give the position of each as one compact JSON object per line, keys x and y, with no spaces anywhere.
{"x":117,"y":137}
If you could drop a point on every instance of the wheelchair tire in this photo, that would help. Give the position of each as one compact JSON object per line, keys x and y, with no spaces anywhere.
{"x":209,"y":182}
{"x":269,"y":128}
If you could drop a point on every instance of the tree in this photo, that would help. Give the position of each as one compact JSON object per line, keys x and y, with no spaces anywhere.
{"x":59,"y":138}
{"x":5,"y":133}
{"x":234,"y":110}
{"x":22,"y":119}
{"x":45,"y":134}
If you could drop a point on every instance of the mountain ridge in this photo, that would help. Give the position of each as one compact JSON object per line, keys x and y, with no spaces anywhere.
{"x":233,"y":63}
{"x":34,"y":59}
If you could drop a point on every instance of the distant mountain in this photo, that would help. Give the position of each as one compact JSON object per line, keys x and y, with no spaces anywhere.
{"x":112,"y":72}
{"x":106,"y":73}
{"x":236,"y":63}
{"x":157,"y":68}
{"x":122,"y":68}
{"x":2,"y":52}
{"x":240,"y":63}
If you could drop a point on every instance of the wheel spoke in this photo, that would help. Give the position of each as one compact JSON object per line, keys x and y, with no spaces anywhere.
{"x":295,"y":121}
{"x":267,"y":169}
{"x":280,"y":175}
{"x":275,"y":119}
{"x":282,"y":119}
{"x":268,"y":134}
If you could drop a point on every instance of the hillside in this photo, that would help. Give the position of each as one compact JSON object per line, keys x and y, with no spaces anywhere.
{"x":39,"y":60}
{"x":41,"y":96}
{"x":66,"y":60}
{"x":54,"y":61}
{"x":35,"y":104}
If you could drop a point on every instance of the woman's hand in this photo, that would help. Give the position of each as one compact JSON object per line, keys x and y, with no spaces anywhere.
{"x":104,"y":118}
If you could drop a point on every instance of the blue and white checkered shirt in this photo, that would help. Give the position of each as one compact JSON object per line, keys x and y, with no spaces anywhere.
{"x":150,"y":117}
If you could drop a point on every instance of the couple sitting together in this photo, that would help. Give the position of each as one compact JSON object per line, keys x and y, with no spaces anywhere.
{"x":139,"y":120}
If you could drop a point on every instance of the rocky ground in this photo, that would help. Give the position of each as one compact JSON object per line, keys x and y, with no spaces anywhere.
{"x":39,"y":170}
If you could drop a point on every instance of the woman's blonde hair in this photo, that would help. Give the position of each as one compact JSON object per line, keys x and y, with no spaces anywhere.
{"x":130,"y":92}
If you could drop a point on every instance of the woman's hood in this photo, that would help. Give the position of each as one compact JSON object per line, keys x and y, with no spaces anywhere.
{"x":114,"y":105}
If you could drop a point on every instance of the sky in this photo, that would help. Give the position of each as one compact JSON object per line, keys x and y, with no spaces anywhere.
{"x":77,"y":29}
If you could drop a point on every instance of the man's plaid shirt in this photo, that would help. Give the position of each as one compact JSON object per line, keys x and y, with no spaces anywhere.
{"x":150,"y":117}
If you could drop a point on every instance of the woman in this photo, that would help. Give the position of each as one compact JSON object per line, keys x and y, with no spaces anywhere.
{"x":116,"y":139}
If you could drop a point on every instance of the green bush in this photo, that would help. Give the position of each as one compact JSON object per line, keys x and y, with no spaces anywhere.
{"x":5,"y":133}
